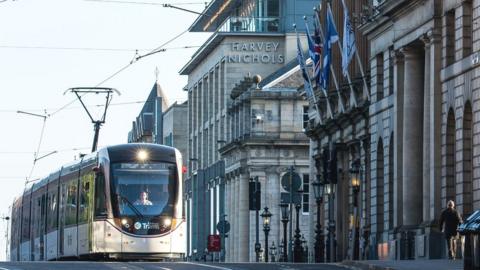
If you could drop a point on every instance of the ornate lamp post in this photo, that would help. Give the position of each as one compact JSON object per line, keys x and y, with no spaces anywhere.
{"x":266,"y":215}
{"x":331,"y":252}
{"x":273,"y":251}
{"x":318,"y":189}
{"x":297,"y":244}
{"x":285,"y":212}
{"x":355,"y":174}
{"x":280,"y":248}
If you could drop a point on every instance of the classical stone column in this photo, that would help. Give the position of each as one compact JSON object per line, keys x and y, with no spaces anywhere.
{"x":413,"y":136}
{"x":243,"y":219}
{"x":435,"y":124}
{"x":398,"y":71}
{"x":426,"y":131}
{"x":229,"y":213}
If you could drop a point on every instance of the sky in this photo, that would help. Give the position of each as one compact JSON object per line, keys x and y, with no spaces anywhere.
{"x":49,"y":46}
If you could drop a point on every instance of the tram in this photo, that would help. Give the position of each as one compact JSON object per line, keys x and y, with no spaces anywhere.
{"x":122,"y":202}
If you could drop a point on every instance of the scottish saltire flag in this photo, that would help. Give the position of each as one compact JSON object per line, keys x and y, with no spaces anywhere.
{"x":301,"y":63}
{"x":315,"y":51}
{"x":330,"y":38}
{"x":349,"y":46}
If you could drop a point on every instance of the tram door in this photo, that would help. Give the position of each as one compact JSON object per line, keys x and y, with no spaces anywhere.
{"x":61,"y":225}
{"x":42,"y":226}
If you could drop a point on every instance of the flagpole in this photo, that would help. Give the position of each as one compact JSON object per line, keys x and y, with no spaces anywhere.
{"x":360,"y":65}
{"x":352,"y":93}
{"x":329,"y":108}
{"x":334,"y":76}
{"x":309,"y":82}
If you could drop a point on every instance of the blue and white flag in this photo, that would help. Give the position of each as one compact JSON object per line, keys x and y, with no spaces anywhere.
{"x":315,"y":51}
{"x":301,"y":63}
{"x":349,"y":46}
{"x":330,"y":38}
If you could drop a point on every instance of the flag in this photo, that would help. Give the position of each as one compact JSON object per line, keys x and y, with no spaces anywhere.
{"x":301,"y":63}
{"x":348,"y":41}
{"x":315,"y":50}
{"x":330,"y":38}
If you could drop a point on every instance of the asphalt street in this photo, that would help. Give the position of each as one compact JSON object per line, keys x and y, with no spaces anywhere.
{"x":162,"y":266}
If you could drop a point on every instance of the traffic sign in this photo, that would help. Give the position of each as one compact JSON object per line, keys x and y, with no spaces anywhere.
{"x":291,"y":181}
{"x":223,"y":226}
{"x":214,"y":243}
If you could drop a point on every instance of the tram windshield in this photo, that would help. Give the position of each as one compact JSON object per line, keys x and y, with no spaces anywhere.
{"x":143,"y":195}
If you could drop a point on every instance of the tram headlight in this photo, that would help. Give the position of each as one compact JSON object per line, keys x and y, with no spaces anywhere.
{"x":167,"y":222}
{"x":142,"y":155}
{"x":124,"y":221}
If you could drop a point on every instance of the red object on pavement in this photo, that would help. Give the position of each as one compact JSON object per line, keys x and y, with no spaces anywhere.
{"x":214,"y":243}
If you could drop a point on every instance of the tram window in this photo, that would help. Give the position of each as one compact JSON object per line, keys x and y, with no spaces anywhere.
{"x":52,"y":211}
{"x":25,"y":221}
{"x":85,"y":198}
{"x":71,"y":207}
{"x":100,"y":206}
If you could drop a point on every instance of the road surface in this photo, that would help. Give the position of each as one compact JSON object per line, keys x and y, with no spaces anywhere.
{"x":163,"y":266}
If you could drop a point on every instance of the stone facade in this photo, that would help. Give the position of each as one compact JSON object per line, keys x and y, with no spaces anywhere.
{"x":422,"y":120}
{"x":267,"y":139}
{"x":251,"y":37}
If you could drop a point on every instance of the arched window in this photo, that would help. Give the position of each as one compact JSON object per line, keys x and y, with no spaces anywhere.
{"x":391,"y":168}
{"x":450,"y":158}
{"x":467,"y":145}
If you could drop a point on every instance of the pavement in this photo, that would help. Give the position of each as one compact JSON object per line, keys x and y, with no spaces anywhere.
{"x":405,"y":265}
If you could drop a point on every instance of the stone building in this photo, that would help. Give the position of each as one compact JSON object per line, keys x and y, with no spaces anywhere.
{"x":160,"y":123}
{"x":250,"y":37}
{"x":148,"y":126}
{"x":338,"y":140}
{"x":423,"y":66}
{"x":267,"y":139}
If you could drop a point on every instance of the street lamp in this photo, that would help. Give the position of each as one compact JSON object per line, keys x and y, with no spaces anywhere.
{"x":330,"y":191}
{"x":266,"y":215}
{"x":297,"y":243}
{"x":284,"y":208}
{"x":318,"y":189}
{"x":355,"y":172}
{"x":273,"y":251}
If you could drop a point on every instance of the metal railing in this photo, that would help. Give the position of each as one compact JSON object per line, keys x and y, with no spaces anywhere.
{"x":252,"y":24}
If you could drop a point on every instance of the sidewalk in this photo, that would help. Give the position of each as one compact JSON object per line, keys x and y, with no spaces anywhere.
{"x":406,"y":265}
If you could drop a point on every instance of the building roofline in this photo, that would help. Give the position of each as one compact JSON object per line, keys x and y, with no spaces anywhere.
{"x":213,"y":16}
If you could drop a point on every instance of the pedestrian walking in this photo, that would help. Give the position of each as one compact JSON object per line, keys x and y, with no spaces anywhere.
{"x":449,"y":221}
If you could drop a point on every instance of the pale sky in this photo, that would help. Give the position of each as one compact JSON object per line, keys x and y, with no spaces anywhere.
{"x":34,"y":79}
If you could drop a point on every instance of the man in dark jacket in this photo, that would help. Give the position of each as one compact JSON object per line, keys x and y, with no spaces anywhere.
{"x":451,"y":219}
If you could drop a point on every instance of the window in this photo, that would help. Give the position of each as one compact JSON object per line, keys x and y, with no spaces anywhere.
{"x":85,"y":198}
{"x":26,"y":219}
{"x":449,"y":33}
{"x":100,"y":196}
{"x":379,"y":76}
{"x":169,"y":140}
{"x":305,"y":195}
{"x":52,"y":208}
{"x":305,"y":117}
{"x":71,"y":207}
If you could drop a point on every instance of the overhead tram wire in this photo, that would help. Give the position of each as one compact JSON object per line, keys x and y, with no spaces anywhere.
{"x":158,"y":49}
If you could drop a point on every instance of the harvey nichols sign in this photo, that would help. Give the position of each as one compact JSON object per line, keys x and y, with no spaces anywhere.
{"x":256,"y":52}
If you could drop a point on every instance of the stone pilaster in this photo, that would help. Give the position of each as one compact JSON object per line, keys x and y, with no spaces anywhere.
{"x":413,"y":135}
{"x":243,"y":219}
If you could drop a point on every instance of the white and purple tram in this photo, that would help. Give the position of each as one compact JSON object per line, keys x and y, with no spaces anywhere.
{"x":121,"y":202}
